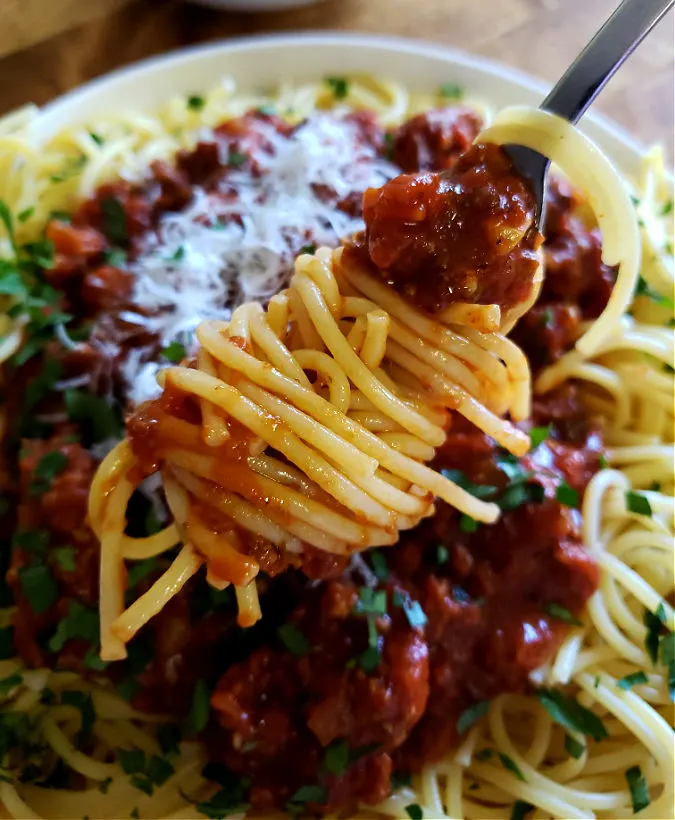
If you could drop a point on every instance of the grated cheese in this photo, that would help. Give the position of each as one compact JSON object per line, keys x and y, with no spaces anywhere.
{"x":220,"y":252}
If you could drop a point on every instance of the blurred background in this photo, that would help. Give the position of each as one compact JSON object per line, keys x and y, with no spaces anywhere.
{"x":50,"y":46}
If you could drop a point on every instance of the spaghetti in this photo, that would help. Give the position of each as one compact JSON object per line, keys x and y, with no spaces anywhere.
{"x":351,"y":475}
{"x":595,"y":737}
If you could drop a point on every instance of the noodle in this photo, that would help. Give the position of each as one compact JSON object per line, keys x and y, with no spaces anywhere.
{"x":354,"y":442}
{"x":349,"y":463}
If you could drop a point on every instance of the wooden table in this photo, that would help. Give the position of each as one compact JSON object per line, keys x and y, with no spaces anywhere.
{"x":540,"y":36}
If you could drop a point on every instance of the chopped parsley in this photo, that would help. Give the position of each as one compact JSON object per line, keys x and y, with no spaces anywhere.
{"x":84,"y":704}
{"x":639,"y":793}
{"x":571,"y":715}
{"x":558,"y":612}
{"x":656,"y":643}
{"x":602,"y":461}
{"x":26,"y":214}
{"x":336,"y":758}
{"x":510,"y":765}
{"x":114,"y":221}
{"x":10,"y":683}
{"x":15,"y":728}
{"x":100,"y":419}
{"x":293,"y":639}
{"x":198,"y":716}
{"x":567,"y":495}
{"x":638,"y":503}
{"x":388,"y":145}
{"x":230,"y":798}
{"x":539,"y":435}
{"x":195,"y":102}
{"x":79,"y":623}
{"x":644,"y":289}
{"x":667,"y":208}
{"x":60,"y":216}
{"x":38,"y":585}
{"x":468,"y":524}
{"x":310,"y":249}
{"x":178,"y":255}
{"x":634,"y":679}
{"x":174,"y":351}
{"x":520,"y":809}
{"x":472,"y":715}
{"x":379,"y":565}
{"x":71,"y":168}
{"x":412,"y":609}
{"x":414,"y":811}
{"x":573,"y":747}
{"x":92,"y":660}
{"x":236,"y":159}
{"x":98,"y":139}
{"x":483,"y":755}
{"x":442,"y":555}
{"x":483,"y":491}
{"x":35,"y":541}
{"x":339,"y":85}
{"x":546,"y":319}
{"x":517,"y":494}
{"x":451,"y":91}
{"x":49,"y":466}
{"x":65,"y":558}
{"x":115,"y":257}
{"x":145,"y":772}
{"x":307,"y":794}
{"x":371,"y":602}
{"x":44,"y":382}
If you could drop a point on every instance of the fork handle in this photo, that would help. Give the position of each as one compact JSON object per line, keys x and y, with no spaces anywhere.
{"x":615,"y":41}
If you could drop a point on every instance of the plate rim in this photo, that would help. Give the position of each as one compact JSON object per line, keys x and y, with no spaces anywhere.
{"x":344,"y":38}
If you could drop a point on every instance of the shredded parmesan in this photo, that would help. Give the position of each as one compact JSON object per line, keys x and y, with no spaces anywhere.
{"x":223,"y":250}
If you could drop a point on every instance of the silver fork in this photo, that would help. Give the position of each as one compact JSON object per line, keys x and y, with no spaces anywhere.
{"x":586,"y":77}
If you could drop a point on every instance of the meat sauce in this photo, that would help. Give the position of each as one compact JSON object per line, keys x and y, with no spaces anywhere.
{"x":464,"y":235}
{"x":388,"y":686}
{"x":484,"y":595}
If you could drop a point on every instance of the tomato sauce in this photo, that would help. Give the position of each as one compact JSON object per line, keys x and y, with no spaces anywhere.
{"x":464,"y":235}
{"x":336,"y":687}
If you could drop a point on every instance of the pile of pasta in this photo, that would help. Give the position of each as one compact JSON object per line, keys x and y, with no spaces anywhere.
{"x":374,"y":413}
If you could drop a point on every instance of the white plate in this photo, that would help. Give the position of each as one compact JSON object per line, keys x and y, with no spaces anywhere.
{"x":261,"y":62}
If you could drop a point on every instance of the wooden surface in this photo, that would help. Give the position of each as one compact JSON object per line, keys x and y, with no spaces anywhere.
{"x":26,"y":22}
{"x":539,"y":36}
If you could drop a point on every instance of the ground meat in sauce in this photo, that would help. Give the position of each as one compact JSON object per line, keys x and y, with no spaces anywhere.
{"x":577,"y":284}
{"x":434,"y":140}
{"x":484,"y":599}
{"x":275,"y":714}
{"x":467,"y":235}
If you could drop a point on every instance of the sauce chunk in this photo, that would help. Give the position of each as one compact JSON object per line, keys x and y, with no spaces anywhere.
{"x":466,"y":235}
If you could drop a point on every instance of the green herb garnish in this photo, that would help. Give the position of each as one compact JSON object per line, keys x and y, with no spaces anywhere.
{"x":638,"y":503}
{"x":195,"y":102}
{"x":451,"y":91}
{"x":340,"y":86}
{"x":639,"y":792}
{"x":293,"y":639}
{"x":472,"y":715}
{"x":558,"y":612}
{"x":571,"y":715}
